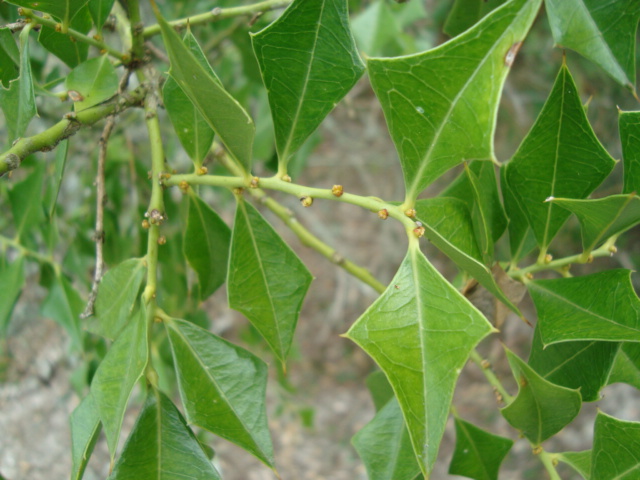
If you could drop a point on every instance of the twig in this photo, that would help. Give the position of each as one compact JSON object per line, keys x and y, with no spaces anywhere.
{"x":101,"y":200}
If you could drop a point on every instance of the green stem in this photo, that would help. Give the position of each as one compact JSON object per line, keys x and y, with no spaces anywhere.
{"x":606,"y":250}
{"x":547,"y":460}
{"x":490,"y":376}
{"x":218,"y":14}
{"x":80,"y":37}
{"x":6,"y":241}
{"x":137,"y":29}
{"x":155,"y":212}
{"x":68,"y":126}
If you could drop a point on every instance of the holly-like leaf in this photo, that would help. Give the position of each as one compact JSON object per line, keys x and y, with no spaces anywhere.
{"x":541,"y":408}
{"x":309,"y":62}
{"x":384,"y":446}
{"x":222,"y":387}
{"x":603,"y":32}
{"x":11,"y":283}
{"x":578,"y":365}
{"x":629,"y":124}
{"x":26,"y":202}
{"x":223,"y":113}
{"x":560,"y":157}
{"x":117,"y":296}
{"x":379,"y":388}
{"x":64,"y":305}
{"x":71,"y":52}
{"x":85,"y":429}
{"x":194,"y":133}
{"x":420,"y":332}
{"x":267,"y":282}
{"x":441,"y":105}
{"x":117,"y":374}
{"x":63,"y":10}
{"x":478,"y":453}
{"x":603,"y":217}
{"x":94,"y":80}
{"x":600,"y":306}
{"x":626,"y":366}
{"x":18,"y":101}
{"x":465,"y":13}
{"x":579,"y":461}
{"x":9,"y":57}
{"x":206,"y":245}
{"x":100,"y":10}
{"x":616,"y":449}
{"x":521,"y":238}
{"x":162,"y":446}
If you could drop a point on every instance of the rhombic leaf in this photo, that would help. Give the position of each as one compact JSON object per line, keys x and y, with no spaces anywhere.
{"x":95,"y":80}
{"x":222,"y":387}
{"x":309,"y":62}
{"x":85,"y":428}
{"x":195,"y":134}
{"x":629,"y":124}
{"x":62,"y":45}
{"x":385,"y":447}
{"x":117,"y":375}
{"x":267,"y":282}
{"x":626,"y":367}
{"x":603,"y":32}
{"x":441,"y":105}
{"x":161,"y":446}
{"x":222,"y":112}
{"x":579,"y":365}
{"x":616,"y":449}
{"x":560,"y":157}
{"x":206,"y":245}
{"x":601,"y":306}
{"x":579,"y":461}
{"x":541,"y":408}
{"x":603,"y":217}
{"x":465,"y":13}
{"x":63,"y":10}
{"x":478,"y":453}
{"x":420,"y":332}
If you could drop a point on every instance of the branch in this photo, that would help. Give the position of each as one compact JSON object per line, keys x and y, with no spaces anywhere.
{"x":68,"y":126}
{"x":80,"y":37}
{"x":218,"y":14}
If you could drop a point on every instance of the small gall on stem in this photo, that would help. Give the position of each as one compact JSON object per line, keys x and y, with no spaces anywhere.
{"x":306,"y":201}
{"x":613,"y":249}
{"x":410,"y":212}
{"x":202,"y":171}
{"x":183,"y":186}
{"x":547,"y":258}
{"x":383,"y":214}
{"x":537,"y":450}
{"x":419,"y":231}
{"x":337,"y":190}
{"x":286,"y":178}
{"x":255,"y":182}
{"x":486,"y":364}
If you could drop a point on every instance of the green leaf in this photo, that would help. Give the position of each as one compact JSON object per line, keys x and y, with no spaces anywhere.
{"x":478,"y":453}
{"x":420,"y":332}
{"x":560,"y":157}
{"x":62,"y":46}
{"x":600,"y":306}
{"x":11,"y":283}
{"x":541,"y":408}
{"x":451,"y":218}
{"x":59,"y":165}
{"x":9,"y":57}
{"x":629,"y":124}
{"x":579,"y":461}
{"x":64,"y":305}
{"x":452,"y":248}
{"x":222,"y":387}
{"x":222,"y":112}
{"x":616,"y":449}
{"x":604,"y":217}
{"x":379,"y":388}
{"x":465,"y":13}
{"x":578,"y":365}
{"x":309,"y":62}
{"x":18,"y":102}
{"x":384,"y":446}
{"x":95,"y":80}
{"x":206,"y":245}
{"x":267,"y":282}
{"x":118,"y":373}
{"x":100,"y":10}
{"x":375,"y":28}
{"x":441,"y":105}
{"x":603,"y":32}
{"x":26,"y":202}
{"x":162,"y":446}
{"x":85,"y":429}
{"x":521,"y":238}
{"x":194,"y":133}
{"x":63,"y":10}
{"x":626,"y":366}
{"x":117,"y":296}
